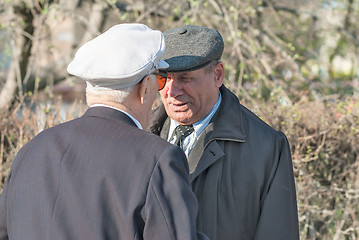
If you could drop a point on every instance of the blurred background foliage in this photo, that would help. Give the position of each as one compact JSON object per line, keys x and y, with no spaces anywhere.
{"x":295,"y":63}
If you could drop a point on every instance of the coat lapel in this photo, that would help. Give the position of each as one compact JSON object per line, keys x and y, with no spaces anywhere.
{"x":207,"y":149}
{"x":165,"y":129}
{"x":157,"y":121}
{"x":199,"y":162}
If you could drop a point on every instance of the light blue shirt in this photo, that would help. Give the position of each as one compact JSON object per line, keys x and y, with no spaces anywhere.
{"x":199,"y":127}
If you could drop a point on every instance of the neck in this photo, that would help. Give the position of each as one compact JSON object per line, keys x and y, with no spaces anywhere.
{"x":135,"y":110}
{"x":131,"y":105}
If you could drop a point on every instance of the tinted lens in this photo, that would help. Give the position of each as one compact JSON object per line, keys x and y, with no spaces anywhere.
{"x":162,"y":78}
{"x":161,"y":82}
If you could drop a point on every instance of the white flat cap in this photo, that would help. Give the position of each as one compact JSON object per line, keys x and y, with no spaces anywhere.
{"x":120,"y":57}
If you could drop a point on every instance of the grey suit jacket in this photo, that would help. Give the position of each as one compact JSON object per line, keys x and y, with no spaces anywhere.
{"x":98,"y":177}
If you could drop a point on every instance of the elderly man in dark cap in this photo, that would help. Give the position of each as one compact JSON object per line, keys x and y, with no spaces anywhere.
{"x":100,"y":176}
{"x":240,"y":168}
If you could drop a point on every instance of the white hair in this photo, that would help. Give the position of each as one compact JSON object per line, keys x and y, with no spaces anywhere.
{"x":112,"y":95}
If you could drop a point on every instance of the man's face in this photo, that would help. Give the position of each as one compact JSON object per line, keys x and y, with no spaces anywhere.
{"x":189,"y":96}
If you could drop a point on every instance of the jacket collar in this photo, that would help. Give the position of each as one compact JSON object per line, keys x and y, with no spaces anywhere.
{"x":227,"y":123}
{"x":110,"y":114}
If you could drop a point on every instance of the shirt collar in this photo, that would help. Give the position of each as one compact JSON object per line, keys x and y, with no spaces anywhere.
{"x":138,"y":124}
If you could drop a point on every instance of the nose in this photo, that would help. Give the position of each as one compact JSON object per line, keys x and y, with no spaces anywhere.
{"x":173,"y":87}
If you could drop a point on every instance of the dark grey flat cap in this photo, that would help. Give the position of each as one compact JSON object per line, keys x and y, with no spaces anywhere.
{"x":189,"y":47}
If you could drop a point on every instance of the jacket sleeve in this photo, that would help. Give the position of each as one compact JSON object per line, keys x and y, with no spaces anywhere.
{"x":3,"y":228}
{"x":279,"y":214}
{"x":171,"y":208}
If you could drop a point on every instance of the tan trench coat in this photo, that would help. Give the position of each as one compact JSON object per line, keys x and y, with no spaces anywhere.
{"x":241,"y":174}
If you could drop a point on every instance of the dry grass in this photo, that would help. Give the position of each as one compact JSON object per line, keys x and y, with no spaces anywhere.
{"x":25,"y":120}
{"x":325,"y":148}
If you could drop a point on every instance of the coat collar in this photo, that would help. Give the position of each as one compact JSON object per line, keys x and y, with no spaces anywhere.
{"x":110,"y":114}
{"x":227,"y":123}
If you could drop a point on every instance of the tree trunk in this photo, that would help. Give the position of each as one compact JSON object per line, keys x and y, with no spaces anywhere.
{"x":13,"y":80}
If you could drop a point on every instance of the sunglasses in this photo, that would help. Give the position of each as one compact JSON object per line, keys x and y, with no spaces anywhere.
{"x":162,"y":78}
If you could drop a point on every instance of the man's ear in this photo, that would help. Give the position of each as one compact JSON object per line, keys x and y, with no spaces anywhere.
{"x":143,"y":89}
{"x":219,"y":74}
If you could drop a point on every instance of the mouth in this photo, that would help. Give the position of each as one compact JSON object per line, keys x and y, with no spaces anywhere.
{"x":178,"y":107}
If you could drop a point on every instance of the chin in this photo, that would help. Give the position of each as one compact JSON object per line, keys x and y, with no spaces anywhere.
{"x":183,"y":120}
{"x":183,"y":117}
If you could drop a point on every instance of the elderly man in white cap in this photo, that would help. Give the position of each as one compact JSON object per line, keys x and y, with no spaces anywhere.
{"x":101,"y":176}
